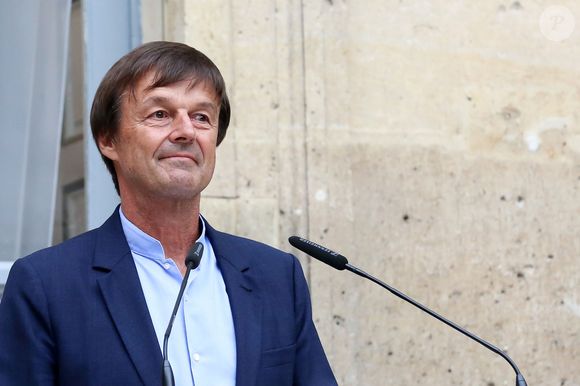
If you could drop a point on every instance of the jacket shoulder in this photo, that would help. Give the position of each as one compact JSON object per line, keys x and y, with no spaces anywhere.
{"x":245,"y":249}
{"x":79,"y":246}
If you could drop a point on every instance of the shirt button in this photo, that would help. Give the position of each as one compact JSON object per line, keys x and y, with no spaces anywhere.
{"x":166,"y":265}
{"x":196,"y":357}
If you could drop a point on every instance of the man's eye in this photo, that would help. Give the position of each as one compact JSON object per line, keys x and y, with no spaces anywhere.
{"x":201,"y":118}
{"x":160,"y":114}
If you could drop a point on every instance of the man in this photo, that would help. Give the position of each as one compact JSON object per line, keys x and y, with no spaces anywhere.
{"x":93,"y":310}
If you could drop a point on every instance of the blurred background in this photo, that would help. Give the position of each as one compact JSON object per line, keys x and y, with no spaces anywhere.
{"x":436,"y":144}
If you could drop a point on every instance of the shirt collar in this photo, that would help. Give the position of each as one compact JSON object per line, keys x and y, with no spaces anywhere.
{"x":147,"y":246}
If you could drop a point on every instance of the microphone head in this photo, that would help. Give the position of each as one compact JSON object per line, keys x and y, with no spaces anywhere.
{"x":319,"y":252}
{"x":194,"y":255}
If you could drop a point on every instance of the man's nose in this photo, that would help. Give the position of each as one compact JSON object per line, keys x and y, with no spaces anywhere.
{"x":183,"y":129}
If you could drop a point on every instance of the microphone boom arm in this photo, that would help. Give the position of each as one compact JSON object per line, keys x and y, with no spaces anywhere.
{"x":191,"y":262}
{"x":520,"y":381}
{"x":340,"y":263}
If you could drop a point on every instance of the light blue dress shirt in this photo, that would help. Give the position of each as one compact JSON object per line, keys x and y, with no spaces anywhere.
{"x":202,"y":348}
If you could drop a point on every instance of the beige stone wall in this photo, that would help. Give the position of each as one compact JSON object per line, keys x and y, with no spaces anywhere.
{"x":434,"y":143}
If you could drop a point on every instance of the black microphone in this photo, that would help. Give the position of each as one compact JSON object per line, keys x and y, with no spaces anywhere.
{"x":340,"y":262}
{"x":191,"y":262}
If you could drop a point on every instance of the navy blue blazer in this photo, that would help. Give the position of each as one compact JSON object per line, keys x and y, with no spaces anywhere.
{"x":75,"y":315}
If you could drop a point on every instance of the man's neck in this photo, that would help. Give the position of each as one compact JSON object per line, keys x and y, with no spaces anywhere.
{"x":175,"y":224}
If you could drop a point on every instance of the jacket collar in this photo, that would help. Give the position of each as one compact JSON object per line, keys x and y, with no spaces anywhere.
{"x":123,"y":296}
{"x":241,"y":278}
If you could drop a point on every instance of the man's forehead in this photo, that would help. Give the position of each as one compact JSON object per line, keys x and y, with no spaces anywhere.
{"x":149,"y":84}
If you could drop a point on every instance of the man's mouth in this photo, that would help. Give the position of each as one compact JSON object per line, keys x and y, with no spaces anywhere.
{"x":178,"y":156}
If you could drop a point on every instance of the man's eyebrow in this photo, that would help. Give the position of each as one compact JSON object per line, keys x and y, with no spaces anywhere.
{"x":154,"y":99}
{"x":208,"y":105}
{"x":160,"y":99}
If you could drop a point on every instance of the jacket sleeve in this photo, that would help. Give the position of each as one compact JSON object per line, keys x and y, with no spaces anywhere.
{"x":26,"y":345}
{"x":311,"y":365}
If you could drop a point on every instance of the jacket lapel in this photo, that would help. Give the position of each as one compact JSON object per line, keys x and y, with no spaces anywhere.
{"x":245,"y":303}
{"x":125,"y":301}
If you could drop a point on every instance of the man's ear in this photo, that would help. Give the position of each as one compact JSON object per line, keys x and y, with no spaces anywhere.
{"x":107,"y":146}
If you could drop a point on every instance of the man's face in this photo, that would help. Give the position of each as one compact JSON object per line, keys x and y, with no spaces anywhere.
{"x":165,"y":145}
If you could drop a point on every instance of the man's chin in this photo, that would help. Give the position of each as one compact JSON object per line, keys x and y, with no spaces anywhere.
{"x":179,"y":192}
{"x":182,"y":189}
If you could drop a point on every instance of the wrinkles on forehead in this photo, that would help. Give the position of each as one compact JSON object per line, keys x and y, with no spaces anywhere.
{"x":157,"y":79}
